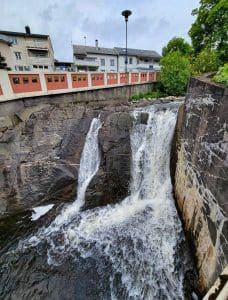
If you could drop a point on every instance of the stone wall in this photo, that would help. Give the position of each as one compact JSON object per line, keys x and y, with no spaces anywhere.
{"x":201,"y":179}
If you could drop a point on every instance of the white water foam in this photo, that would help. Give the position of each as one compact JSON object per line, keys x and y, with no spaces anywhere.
{"x":139,"y":237}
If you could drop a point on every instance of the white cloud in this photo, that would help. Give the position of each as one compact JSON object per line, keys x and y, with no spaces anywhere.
{"x":151,"y":25}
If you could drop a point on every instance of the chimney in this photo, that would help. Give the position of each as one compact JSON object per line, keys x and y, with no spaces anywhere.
{"x":96,"y":43}
{"x":27,"y":29}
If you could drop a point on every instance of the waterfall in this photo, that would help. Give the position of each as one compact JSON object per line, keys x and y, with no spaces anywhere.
{"x":89,"y":165}
{"x":139,"y":237}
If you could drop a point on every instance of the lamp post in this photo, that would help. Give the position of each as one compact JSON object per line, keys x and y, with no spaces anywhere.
{"x":126,"y":13}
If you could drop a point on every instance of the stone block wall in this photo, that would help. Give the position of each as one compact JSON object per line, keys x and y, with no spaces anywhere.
{"x":201,"y":179}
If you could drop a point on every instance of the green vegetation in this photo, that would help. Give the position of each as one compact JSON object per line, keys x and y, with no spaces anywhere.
{"x":222,"y":75}
{"x":175,"y":72}
{"x":177,"y":44}
{"x":210,"y":30}
{"x":206,"y":61}
{"x":150,"y":95}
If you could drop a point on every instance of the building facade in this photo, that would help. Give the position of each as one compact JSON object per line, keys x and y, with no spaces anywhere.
{"x":27,"y":51}
{"x":88,"y":58}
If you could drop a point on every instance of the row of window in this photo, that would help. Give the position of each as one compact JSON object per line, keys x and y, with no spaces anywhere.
{"x":22,"y":68}
{"x":24,"y":80}
{"x":40,"y":67}
{"x":55,"y":78}
{"x":79,"y":78}
{"x":28,"y":68}
{"x":112,"y":62}
{"x":60,"y":78}
{"x":31,"y":53}
{"x":97,"y":77}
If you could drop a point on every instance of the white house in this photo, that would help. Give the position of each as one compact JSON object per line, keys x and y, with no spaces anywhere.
{"x":88,"y":58}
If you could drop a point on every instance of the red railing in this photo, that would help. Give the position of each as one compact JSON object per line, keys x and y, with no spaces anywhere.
{"x":56,"y":81}
{"x":124,"y":78}
{"x":134,"y":77}
{"x":97,"y":79}
{"x":112,"y":78}
{"x":79,"y":80}
{"x":23,"y":83}
{"x":143,"y":77}
{"x":151,"y":76}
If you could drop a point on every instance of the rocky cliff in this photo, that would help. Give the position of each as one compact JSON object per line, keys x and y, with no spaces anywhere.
{"x":201,"y":179}
{"x":40,"y":150}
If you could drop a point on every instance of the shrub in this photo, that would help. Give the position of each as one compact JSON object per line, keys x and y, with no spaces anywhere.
{"x":222,"y":75}
{"x":206,"y":61}
{"x":175,"y":72}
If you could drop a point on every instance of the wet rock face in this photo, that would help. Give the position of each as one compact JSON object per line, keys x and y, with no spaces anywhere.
{"x":201,"y":179}
{"x":40,"y":150}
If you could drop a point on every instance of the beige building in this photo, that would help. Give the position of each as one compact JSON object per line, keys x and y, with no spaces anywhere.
{"x":26,"y":51}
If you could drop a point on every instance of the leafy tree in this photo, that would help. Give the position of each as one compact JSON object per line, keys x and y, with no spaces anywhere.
{"x":175,"y":72}
{"x":206,"y":61}
{"x":177,"y":44}
{"x":210,"y":30}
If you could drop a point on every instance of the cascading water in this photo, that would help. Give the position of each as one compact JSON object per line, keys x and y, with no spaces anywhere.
{"x":138,"y":238}
{"x":89,"y":165}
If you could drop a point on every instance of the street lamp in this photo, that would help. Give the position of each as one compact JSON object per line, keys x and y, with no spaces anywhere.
{"x":126,"y":13}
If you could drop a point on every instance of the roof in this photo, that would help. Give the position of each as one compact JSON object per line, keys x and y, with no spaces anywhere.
{"x":138,"y":52}
{"x":34,"y":35}
{"x":79,"y":49}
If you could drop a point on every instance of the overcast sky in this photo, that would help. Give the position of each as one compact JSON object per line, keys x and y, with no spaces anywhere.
{"x":152,"y":24}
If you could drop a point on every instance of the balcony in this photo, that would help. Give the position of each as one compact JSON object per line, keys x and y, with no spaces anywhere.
{"x":145,"y":66}
{"x":90,"y":62}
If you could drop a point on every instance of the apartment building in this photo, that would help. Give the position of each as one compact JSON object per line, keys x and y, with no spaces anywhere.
{"x":88,"y":58}
{"x":25,"y":51}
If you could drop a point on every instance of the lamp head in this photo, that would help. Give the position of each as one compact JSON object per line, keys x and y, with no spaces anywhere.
{"x":126,"y":13}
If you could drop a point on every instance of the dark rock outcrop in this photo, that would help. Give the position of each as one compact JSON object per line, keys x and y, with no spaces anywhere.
{"x":40,"y":155}
{"x":201,"y":180}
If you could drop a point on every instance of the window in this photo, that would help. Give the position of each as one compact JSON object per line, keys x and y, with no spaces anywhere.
{"x":62,"y":78}
{"x":45,"y":67}
{"x":130,"y":60}
{"x":112,"y":62}
{"x":25,"y":80}
{"x":84,"y":78}
{"x":27,"y":68}
{"x":56,"y":78}
{"x":34,"y":80}
{"x":49,"y":79}
{"x":18,"y":55}
{"x":16,"y":80}
{"x":35,"y":67}
{"x":74,"y":78}
{"x":13,"y":40}
{"x":40,"y":67}
{"x":20,"y":68}
{"x":102,"y":62}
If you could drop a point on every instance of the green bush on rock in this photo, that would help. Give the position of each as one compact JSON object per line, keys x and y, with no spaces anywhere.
{"x":206,"y":61}
{"x":222,"y":75}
